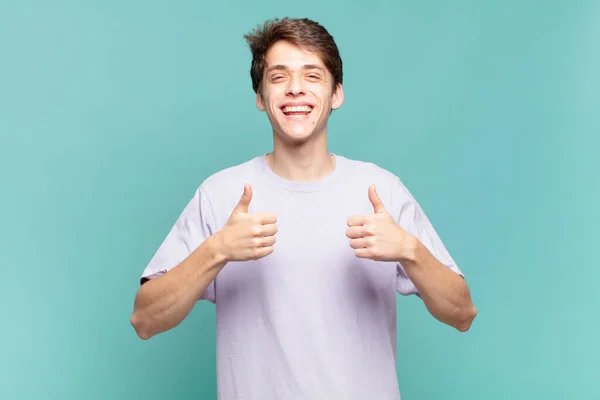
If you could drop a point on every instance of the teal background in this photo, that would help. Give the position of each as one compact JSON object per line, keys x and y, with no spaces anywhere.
{"x":112,"y":113}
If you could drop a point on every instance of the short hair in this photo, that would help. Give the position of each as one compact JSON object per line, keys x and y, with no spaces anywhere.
{"x":302,"y":32}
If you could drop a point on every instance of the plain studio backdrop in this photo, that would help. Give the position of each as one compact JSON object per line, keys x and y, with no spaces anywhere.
{"x":112,"y":113}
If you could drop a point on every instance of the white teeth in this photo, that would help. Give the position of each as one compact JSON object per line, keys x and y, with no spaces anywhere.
{"x":297,"y":109}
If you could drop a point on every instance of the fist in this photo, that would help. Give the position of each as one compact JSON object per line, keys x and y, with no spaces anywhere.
{"x":247,"y":236}
{"x":377,"y":236}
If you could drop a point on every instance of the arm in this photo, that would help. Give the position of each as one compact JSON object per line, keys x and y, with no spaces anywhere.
{"x":162,"y":303}
{"x":444,"y":292}
{"x":379,"y":237}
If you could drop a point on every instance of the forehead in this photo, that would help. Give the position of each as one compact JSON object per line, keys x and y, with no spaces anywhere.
{"x":291,"y":56}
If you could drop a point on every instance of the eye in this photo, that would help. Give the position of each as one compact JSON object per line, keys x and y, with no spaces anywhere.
{"x":314,"y":76}
{"x":277,"y":78}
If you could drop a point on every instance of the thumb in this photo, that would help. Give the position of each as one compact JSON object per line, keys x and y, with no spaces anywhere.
{"x":242,"y":206}
{"x":378,"y":206}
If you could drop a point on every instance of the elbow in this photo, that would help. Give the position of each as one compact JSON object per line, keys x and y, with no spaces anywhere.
{"x":466,"y":319}
{"x":141,"y":328}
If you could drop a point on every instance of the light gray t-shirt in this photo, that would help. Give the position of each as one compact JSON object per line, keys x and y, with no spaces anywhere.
{"x":311,"y":320}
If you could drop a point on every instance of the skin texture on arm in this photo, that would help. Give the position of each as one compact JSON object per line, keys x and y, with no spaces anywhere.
{"x":163,"y":303}
{"x":444,"y":292}
{"x":378,"y":237}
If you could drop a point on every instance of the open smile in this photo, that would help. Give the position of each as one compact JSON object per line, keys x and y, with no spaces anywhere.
{"x":297,"y":112}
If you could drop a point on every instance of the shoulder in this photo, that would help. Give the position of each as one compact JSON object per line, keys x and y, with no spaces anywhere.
{"x":220,"y":191}
{"x":230,"y":178}
{"x":361,"y":174}
{"x":370,"y":171}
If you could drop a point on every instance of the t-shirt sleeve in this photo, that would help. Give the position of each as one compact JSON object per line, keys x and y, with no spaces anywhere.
{"x":412,"y":218}
{"x":194,"y":225}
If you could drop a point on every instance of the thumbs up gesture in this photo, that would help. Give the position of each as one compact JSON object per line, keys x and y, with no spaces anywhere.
{"x":247,"y":236}
{"x":377,"y":236}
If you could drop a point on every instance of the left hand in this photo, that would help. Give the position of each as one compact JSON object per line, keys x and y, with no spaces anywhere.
{"x":377,"y":236}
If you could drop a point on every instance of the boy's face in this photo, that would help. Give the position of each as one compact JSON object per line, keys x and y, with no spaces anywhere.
{"x":297,"y":92}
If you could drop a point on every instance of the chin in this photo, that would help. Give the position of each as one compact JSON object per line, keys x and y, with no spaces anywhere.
{"x":297,"y":136}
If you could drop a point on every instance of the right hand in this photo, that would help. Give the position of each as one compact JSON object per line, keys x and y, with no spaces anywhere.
{"x":247,"y":236}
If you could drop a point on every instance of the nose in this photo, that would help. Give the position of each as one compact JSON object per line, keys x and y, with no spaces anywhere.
{"x":295,"y":87}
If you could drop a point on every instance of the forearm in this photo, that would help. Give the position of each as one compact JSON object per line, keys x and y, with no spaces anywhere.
{"x":444,"y":292}
{"x":163,"y":302}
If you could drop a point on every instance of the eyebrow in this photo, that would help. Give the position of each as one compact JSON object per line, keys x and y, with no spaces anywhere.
{"x":304,"y":67}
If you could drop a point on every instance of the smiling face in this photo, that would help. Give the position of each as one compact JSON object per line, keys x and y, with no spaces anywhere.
{"x":297,"y":93}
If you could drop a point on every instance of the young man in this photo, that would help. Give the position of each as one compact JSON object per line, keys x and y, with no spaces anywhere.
{"x":301,"y":250}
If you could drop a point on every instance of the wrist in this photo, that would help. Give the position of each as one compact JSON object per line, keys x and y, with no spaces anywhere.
{"x":411,"y":250}
{"x":216,"y":249}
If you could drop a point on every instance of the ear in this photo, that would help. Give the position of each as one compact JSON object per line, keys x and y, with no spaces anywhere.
{"x":259,"y":101}
{"x":338,"y":97}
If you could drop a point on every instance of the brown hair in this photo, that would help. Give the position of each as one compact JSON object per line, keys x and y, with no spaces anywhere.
{"x":300,"y":31}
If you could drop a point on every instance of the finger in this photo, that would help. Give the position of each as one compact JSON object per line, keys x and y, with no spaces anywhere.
{"x":242,"y":206}
{"x":357,"y":220}
{"x":261,"y":252}
{"x":263,"y":241}
{"x":375,"y":200}
{"x":358,"y":243}
{"x":266,"y":218}
{"x":362,"y":253}
{"x":355,"y":232}
{"x":268,"y":230}
{"x":267,"y":241}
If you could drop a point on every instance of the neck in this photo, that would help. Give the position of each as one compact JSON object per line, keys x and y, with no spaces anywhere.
{"x":306,"y":162}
